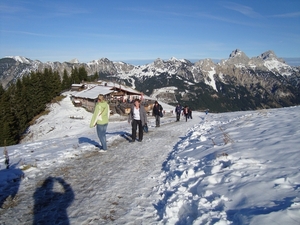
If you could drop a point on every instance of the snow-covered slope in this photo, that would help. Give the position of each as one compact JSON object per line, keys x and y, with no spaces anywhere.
{"x":227,"y":168}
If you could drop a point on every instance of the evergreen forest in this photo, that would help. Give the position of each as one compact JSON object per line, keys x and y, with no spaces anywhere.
{"x":27,"y":98}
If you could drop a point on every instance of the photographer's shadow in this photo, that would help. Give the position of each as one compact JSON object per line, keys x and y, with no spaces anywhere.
{"x":51,"y":201}
{"x":10,"y":187}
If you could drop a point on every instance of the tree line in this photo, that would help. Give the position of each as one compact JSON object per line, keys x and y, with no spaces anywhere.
{"x":26,"y":98}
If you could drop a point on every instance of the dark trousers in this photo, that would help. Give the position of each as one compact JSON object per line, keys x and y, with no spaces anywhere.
{"x":157,"y":120}
{"x":177,"y":116}
{"x":137,"y":124}
{"x":186,"y":117}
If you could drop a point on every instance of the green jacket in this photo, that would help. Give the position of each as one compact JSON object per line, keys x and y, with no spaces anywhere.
{"x":101,"y":114}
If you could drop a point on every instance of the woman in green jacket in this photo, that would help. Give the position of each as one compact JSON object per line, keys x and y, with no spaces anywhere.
{"x":100,"y":120}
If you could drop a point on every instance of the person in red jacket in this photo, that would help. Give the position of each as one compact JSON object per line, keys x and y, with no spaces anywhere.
{"x":186,"y":112}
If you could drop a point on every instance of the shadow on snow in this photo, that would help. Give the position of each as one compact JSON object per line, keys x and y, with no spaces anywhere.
{"x":10,"y":186}
{"x":51,"y":201}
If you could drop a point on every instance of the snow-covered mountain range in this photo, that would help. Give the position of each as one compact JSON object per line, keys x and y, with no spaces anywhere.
{"x":239,"y":82}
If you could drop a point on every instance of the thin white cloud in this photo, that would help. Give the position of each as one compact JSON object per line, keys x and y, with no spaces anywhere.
{"x":245,"y":10}
{"x":288,"y":15}
{"x":7,"y":9}
{"x":191,"y":15}
{"x":48,"y":9}
{"x":224,"y":19}
{"x":142,"y":10}
{"x":29,"y":33}
{"x":67,"y":10}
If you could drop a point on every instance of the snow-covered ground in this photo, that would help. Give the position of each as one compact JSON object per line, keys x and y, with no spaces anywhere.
{"x":227,"y":168}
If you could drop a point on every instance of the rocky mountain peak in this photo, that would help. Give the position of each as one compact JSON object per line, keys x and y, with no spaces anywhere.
{"x":235,"y":53}
{"x":74,"y":61}
{"x":205,"y":63}
{"x":20,"y":59}
{"x":173,"y":59}
{"x":100,"y":61}
{"x":237,"y":57}
{"x":268,"y":55}
{"x":158,"y":63}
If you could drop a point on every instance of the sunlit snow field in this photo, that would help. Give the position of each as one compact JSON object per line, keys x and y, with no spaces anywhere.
{"x":226,"y":168}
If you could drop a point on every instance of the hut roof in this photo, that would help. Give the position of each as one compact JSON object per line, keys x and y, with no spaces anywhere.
{"x":93,"y":92}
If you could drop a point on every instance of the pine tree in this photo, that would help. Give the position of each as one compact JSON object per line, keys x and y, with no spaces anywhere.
{"x":19,"y":103}
{"x":1,"y":89}
{"x":82,"y":74}
{"x":8,"y":120}
{"x":66,"y":81}
{"x":94,"y":77}
{"x":75,"y":76}
{"x":25,"y":99}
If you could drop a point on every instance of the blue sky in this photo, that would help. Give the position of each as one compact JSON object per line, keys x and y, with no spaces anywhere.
{"x":129,"y":31}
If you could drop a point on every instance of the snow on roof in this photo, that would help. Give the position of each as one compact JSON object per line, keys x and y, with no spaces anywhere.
{"x":77,"y":85}
{"x":128,"y":89}
{"x":93,"y":92}
{"x":148,"y":98}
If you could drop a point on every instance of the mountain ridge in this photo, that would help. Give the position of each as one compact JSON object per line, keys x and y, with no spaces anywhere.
{"x":264,"y":81}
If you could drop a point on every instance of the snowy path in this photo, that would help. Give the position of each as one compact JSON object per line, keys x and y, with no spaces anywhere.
{"x":95,"y":180}
{"x":231,"y":168}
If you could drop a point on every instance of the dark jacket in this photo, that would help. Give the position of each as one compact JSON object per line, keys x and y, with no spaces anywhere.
{"x":156,"y":109}
{"x":178,"y":109}
{"x":185,"y":110}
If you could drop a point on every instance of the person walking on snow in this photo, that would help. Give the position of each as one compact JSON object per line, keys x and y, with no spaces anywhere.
{"x":156,"y":112}
{"x":178,"y":112}
{"x":100,"y":120}
{"x":185,"y":112}
{"x":138,"y":118}
{"x":190,"y":113}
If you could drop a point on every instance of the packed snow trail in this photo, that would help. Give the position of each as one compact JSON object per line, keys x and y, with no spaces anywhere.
{"x":210,"y":170}
{"x":95,"y":179}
